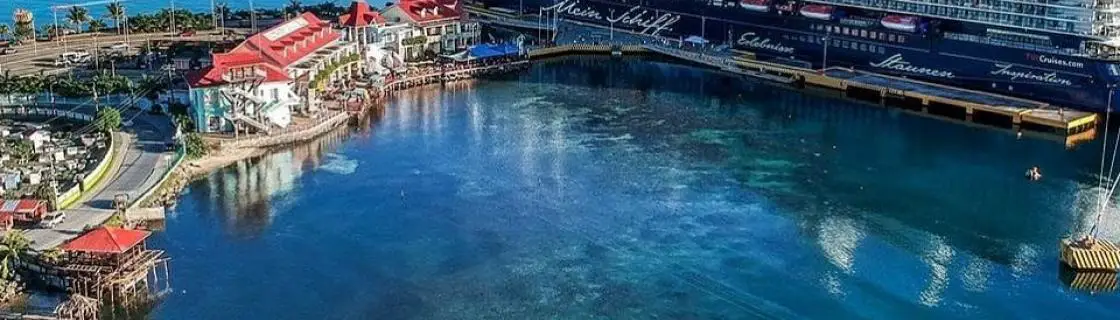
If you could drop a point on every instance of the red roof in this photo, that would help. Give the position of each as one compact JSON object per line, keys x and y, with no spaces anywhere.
{"x":21,"y":206}
{"x":270,"y":51}
{"x":107,"y":240}
{"x":422,"y":11}
{"x":360,"y":15}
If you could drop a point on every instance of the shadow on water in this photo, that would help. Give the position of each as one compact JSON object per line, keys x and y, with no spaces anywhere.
{"x":246,"y":192}
{"x":907,"y":153}
{"x":505,"y":211}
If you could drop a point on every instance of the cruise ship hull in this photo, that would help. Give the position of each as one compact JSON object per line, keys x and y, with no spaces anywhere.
{"x":1063,"y":80}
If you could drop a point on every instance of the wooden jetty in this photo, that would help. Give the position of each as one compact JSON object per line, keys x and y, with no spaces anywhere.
{"x":112,"y":266}
{"x":1090,"y":254}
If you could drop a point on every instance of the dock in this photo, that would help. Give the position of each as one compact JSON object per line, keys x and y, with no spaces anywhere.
{"x":1092,"y":255}
{"x":1017,"y":115}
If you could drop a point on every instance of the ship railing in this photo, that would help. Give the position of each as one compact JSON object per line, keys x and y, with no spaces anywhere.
{"x":1010,"y":44}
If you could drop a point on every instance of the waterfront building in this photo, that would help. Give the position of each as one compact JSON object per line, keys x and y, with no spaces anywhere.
{"x":1064,"y":52}
{"x":260,"y":83}
{"x":368,"y":28}
{"x":438,"y":27}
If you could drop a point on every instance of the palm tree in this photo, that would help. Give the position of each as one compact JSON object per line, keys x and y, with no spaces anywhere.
{"x":13,"y":247}
{"x":293,"y":7}
{"x":116,"y":12}
{"x":96,"y":25}
{"x":47,"y":191}
{"x":23,"y":30}
{"x":78,"y":16}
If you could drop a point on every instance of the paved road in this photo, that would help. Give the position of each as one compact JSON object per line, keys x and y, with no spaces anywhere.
{"x":144,"y":158}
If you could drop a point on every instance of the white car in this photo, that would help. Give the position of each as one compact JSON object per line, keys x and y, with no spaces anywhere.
{"x":119,"y":46}
{"x":52,"y":219}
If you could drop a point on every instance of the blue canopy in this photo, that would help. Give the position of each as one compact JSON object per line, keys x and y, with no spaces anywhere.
{"x":483,"y":51}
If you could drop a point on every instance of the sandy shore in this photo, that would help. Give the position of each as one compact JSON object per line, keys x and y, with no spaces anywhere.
{"x":216,"y":160}
{"x":198,"y":168}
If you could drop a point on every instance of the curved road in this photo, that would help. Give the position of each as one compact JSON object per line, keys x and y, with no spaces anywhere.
{"x":143,"y":158}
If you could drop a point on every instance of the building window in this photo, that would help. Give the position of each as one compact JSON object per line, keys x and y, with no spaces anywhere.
{"x":275,"y":94}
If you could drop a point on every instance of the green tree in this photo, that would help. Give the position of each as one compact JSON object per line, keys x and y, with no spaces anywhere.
{"x":108,"y":119}
{"x":293,"y":7}
{"x":23,"y":31}
{"x":96,"y":25}
{"x":51,"y":256}
{"x":47,"y":192}
{"x":4,"y":31}
{"x":13,"y":247}
{"x":77,"y":16}
{"x":21,"y":150}
{"x":196,"y":147}
{"x":116,"y":12}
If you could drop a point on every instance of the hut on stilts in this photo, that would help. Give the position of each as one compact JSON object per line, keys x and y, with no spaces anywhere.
{"x":113,"y":267}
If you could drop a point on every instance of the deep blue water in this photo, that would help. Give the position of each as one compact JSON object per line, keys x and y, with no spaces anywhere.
{"x":622,"y":189}
{"x":41,"y":9}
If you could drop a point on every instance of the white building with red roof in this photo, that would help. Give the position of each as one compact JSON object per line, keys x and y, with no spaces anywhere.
{"x":437,"y":26}
{"x":369,"y":29}
{"x":259,"y":83}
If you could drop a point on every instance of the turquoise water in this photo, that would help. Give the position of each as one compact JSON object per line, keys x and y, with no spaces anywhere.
{"x":622,"y":189}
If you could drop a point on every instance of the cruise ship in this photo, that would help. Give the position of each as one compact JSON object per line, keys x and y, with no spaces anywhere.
{"x":1063,"y":52}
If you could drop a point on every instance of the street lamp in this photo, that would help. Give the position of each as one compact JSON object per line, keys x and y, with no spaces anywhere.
{"x":824,"y":58}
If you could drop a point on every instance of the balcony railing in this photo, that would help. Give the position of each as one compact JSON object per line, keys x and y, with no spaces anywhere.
{"x":1012,"y":44}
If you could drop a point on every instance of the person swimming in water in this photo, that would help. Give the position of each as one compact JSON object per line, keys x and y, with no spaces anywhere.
{"x":1033,"y":174}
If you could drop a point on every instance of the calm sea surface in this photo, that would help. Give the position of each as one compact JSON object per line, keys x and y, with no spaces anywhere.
{"x":619,"y":189}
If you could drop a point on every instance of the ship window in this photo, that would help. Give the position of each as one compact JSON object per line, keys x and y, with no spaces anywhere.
{"x":873,"y":34}
{"x":862,"y":47}
{"x":835,"y":43}
{"x":863,"y":33}
{"x":785,"y":36}
{"x":846,"y":30}
{"x":891,"y":38}
{"x":901,"y":38}
{"x":882,"y":50}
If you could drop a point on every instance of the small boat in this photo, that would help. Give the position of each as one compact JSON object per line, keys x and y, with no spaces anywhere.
{"x":900,"y":22}
{"x":817,"y":11}
{"x":755,"y":5}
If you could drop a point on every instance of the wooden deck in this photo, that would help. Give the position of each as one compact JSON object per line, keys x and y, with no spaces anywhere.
{"x":1102,"y":255}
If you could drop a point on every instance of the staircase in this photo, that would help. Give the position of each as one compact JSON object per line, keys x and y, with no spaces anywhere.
{"x":264,"y":127}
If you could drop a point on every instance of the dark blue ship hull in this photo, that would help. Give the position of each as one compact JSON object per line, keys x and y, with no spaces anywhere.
{"x":1065,"y":80}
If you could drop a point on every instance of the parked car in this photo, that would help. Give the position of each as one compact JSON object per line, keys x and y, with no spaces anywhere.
{"x":119,"y":46}
{"x":52,"y":219}
{"x":187,"y":33}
